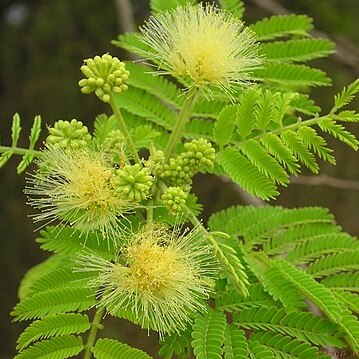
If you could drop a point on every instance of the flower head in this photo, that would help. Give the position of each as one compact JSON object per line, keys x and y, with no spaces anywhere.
{"x":159,"y":280}
{"x":76,"y":187}
{"x":205,"y":44}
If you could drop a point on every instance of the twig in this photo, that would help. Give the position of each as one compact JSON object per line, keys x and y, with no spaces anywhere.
{"x":323,"y":180}
{"x":126,"y":22}
{"x":125,"y":18}
{"x":95,"y":326}
{"x":244,"y":195}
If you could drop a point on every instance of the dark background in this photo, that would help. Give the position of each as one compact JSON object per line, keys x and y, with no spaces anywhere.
{"x":42,"y":46}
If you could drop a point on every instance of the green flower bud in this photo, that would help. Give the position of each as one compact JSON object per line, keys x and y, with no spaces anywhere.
{"x":115,"y":140}
{"x":200,"y":154}
{"x":173,"y":173}
{"x":133,"y":183}
{"x":155,"y":161}
{"x":104,"y":75}
{"x":68,"y":135}
{"x":174,"y":199}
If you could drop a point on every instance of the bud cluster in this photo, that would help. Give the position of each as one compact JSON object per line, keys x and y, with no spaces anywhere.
{"x":155,"y":161}
{"x":68,"y":135}
{"x":104,"y":75}
{"x":133,"y":183}
{"x":199,"y":155}
{"x":174,"y":198}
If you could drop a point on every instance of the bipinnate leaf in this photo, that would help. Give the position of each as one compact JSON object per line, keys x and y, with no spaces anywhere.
{"x":284,"y":346}
{"x":142,"y":104}
{"x":15,"y":136}
{"x":241,"y":171}
{"x":316,"y":143}
{"x":208,"y":334}
{"x":281,"y":152}
{"x":159,"y":86}
{"x":38,"y":271}
{"x":265,"y":163}
{"x":224,"y":126}
{"x":346,"y":96}
{"x":67,"y":241}
{"x":292,"y":76}
{"x":282,"y":25}
{"x":55,"y":348}
{"x":246,"y":113}
{"x":297,"y":50}
{"x":235,"y":343}
{"x":324,"y":300}
{"x":112,"y":349}
{"x":33,"y":137}
{"x":335,"y":263}
{"x":338,"y":131}
{"x":274,"y":282}
{"x":55,"y":325}
{"x":350,"y":325}
{"x":316,"y":292}
{"x":350,"y":300}
{"x":103,"y":126}
{"x":343,"y":281}
{"x":301,"y":325}
{"x":260,"y":351}
{"x":55,"y":301}
{"x":231,"y":265}
{"x":300,"y":150}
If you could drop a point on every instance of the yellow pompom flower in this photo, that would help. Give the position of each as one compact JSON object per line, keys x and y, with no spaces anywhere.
{"x":203,"y":43}
{"x":76,"y":187}
{"x":159,"y":280}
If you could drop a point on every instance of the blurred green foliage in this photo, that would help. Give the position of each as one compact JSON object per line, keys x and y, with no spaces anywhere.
{"x":335,"y":17}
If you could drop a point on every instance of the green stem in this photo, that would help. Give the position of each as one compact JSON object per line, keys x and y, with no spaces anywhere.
{"x":124,"y":130}
{"x":196,"y":222}
{"x":150,"y":211}
{"x":95,"y":326}
{"x":182,"y":118}
{"x":293,"y":126}
{"x":208,"y":236}
{"x":240,"y":282}
{"x":191,"y":217}
{"x":20,"y":151}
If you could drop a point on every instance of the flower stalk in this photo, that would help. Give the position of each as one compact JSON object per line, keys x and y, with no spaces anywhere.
{"x":179,"y":125}
{"x":95,"y":326}
{"x":20,"y":151}
{"x":123,"y":129}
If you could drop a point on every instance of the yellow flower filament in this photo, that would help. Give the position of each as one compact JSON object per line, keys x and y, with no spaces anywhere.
{"x":205,"y":44}
{"x":159,"y":279}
